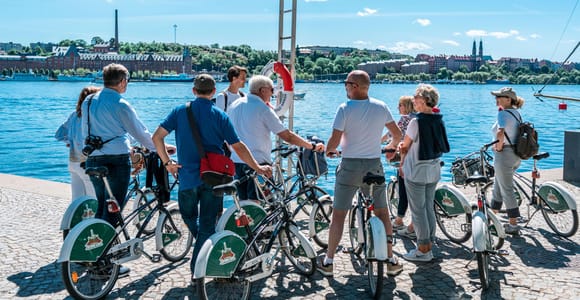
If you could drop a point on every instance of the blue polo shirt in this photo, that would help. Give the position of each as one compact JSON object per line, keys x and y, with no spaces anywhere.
{"x":214,"y":128}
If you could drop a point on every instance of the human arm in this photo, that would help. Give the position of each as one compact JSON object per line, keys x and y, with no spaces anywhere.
{"x":244,"y":153}
{"x":395,"y":134}
{"x":500,"y":136}
{"x":333,"y":142}
{"x":162,"y":150}
{"x":295,"y":139}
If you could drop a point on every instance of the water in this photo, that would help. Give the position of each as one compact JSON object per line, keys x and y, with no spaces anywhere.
{"x":30,"y":113}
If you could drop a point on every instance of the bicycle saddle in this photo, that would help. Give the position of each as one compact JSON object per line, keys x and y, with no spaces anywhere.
{"x":97,"y":171}
{"x":373,"y":179}
{"x":228,"y":188}
{"x":477,"y":179}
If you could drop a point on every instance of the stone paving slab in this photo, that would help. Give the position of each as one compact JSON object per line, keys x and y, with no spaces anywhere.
{"x":541,"y":265}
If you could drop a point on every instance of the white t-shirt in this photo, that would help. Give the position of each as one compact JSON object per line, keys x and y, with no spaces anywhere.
{"x":220,"y":99}
{"x":509,"y":123}
{"x":253,"y":121}
{"x":362,"y":123}
{"x":415,"y":170}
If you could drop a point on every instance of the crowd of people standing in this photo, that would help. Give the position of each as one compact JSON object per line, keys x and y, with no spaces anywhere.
{"x":242,"y":123}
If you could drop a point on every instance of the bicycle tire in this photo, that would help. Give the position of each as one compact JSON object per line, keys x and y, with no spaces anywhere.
{"x":233,"y":288}
{"x":496,"y":241}
{"x":453,"y":227}
{"x":353,"y":232}
{"x":139,"y":201}
{"x":322,"y":217}
{"x":180,"y":236}
{"x":393,"y":198}
{"x":375,"y":274}
{"x":294,"y":251}
{"x":88,"y":280}
{"x":483,"y":269}
{"x":552,"y":218}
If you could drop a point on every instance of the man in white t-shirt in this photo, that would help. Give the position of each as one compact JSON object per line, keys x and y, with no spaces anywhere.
{"x":254,"y":120}
{"x":358,"y":128}
{"x":237,"y":79}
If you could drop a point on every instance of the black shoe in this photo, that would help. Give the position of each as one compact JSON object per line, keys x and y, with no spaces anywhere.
{"x":123,"y":271}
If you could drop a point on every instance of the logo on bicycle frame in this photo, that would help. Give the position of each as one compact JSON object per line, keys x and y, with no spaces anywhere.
{"x":93,"y":242}
{"x":88,"y":213}
{"x":447,"y":201}
{"x":552,"y":198}
{"x":227,"y":256}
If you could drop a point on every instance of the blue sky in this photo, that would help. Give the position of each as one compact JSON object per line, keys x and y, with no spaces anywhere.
{"x":518,"y":28}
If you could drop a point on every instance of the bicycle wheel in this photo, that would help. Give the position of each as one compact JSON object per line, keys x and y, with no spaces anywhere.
{"x":393,"y":198}
{"x":483,"y":269}
{"x":455,"y":228}
{"x":294,"y":251}
{"x":177,"y":240}
{"x":233,"y":288}
{"x":495,"y":240}
{"x":90,"y":280}
{"x":375,"y":273}
{"x":563,"y":223}
{"x":322,"y":217}
{"x":353,"y":231}
{"x":145,"y":200}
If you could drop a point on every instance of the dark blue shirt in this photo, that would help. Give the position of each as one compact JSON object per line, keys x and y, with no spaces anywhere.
{"x":214,"y":128}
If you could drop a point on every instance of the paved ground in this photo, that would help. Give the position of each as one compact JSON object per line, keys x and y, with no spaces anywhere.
{"x":541,"y":265}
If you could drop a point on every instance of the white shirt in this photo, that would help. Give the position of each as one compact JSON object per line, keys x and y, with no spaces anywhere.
{"x":362,"y":123}
{"x":254,"y":121}
{"x":220,"y":99}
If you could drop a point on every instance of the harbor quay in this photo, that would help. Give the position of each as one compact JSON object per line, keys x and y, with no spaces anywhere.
{"x":540,"y":264}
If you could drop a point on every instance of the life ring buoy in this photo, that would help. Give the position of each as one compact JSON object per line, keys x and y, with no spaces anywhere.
{"x":285,"y":90}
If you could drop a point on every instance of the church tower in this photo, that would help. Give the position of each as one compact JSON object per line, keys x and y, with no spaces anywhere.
{"x":474,"y":50}
{"x":480,"y":49}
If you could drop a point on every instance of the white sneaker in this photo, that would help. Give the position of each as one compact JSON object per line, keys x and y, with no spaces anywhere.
{"x":416,"y":255}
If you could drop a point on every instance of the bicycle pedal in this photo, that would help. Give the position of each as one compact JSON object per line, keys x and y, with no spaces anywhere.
{"x":503,"y":252}
{"x":156,"y":258}
{"x":348,"y":250}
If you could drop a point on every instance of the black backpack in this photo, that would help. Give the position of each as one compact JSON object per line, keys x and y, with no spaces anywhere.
{"x":526,"y":144}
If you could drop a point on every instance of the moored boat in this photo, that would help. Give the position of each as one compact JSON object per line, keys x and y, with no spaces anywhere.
{"x":182,"y":77}
{"x":299,"y":95}
{"x":74,"y":78}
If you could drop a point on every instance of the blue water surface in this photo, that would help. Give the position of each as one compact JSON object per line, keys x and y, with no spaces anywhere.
{"x":30,"y":113}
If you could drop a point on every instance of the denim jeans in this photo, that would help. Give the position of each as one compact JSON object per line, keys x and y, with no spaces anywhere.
{"x":209,"y":205}
{"x":119,"y":175}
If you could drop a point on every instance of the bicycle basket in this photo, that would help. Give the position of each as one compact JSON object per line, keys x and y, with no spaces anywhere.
{"x":466,"y":166}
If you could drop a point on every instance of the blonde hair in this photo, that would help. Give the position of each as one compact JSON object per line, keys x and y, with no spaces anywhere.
{"x":518,"y":103}
{"x":407,"y":102}
{"x":428,"y":92}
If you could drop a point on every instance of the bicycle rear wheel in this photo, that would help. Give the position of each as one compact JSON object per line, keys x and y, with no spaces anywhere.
{"x":563,"y":223}
{"x":294,"y":251}
{"x":375,"y":271}
{"x":177,"y":240}
{"x":233,"y":288}
{"x":483,"y":269}
{"x":393,"y":198}
{"x":455,"y":228}
{"x":353,"y":231}
{"x":145,"y":200}
{"x":90,"y":280}
{"x":322,"y":217}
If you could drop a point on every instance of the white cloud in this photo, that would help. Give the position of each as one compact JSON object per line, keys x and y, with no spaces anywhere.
{"x":315,"y":0}
{"x":367,"y":12}
{"x":450,"y":42}
{"x":361,"y":43}
{"x":535,"y":36}
{"x":495,"y":34}
{"x":476,"y":33}
{"x":521,"y":38}
{"x":456,"y":33}
{"x":402,"y":47}
{"x":423,"y":22}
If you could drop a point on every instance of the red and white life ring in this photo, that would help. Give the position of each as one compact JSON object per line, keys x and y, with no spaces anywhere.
{"x":285,"y":88}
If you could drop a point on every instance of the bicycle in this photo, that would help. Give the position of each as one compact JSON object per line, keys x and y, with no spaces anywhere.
{"x":368,"y":236}
{"x":93,"y":250}
{"x":228,"y":263}
{"x":556,"y":203}
{"x":454,"y":213}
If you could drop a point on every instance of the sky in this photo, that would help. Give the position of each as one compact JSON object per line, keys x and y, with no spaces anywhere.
{"x":520,"y":28}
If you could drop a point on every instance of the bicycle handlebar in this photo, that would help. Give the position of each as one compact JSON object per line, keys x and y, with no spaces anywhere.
{"x":486,"y":146}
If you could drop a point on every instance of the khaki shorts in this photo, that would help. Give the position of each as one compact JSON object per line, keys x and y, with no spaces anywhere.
{"x":349,"y":178}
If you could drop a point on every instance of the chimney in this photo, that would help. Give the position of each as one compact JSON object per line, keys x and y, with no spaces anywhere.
{"x":116,"y":32}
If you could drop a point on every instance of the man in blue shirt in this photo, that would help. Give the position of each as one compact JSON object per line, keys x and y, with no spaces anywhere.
{"x":111,"y":118}
{"x":214,"y":128}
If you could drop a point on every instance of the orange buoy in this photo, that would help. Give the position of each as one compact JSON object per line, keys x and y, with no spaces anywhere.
{"x":562,"y":106}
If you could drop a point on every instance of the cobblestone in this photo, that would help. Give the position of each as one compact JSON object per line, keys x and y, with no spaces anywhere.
{"x":541,"y":265}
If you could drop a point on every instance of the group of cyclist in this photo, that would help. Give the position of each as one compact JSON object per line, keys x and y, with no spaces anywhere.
{"x":245,"y":123}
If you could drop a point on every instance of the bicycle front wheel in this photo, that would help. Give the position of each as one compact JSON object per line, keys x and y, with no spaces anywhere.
{"x":88,"y":280}
{"x":233,"y":288}
{"x":455,"y":228}
{"x":322,"y":217}
{"x":393,"y":198}
{"x":354,"y":231}
{"x":375,"y":273}
{"x":294,"y":251}
{"x":142,"y":200}
{"x":177,"y":240}
{"x":483,"y":269}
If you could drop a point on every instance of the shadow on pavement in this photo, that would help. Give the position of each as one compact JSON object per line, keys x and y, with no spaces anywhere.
{"x":47,"y":276}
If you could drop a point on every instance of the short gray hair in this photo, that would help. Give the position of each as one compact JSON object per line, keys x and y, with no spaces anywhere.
{"x":259,"y":81}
